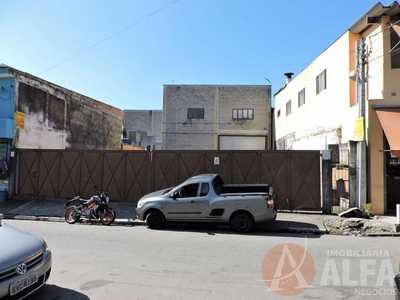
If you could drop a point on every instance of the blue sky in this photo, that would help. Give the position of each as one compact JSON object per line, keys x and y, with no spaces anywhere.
{"x":86,"y":45}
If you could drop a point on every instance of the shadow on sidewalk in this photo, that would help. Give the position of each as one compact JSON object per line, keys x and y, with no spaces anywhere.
{"x":309,"y":230}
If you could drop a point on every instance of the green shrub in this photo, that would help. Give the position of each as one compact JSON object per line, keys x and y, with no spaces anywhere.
{"x":368,"y":208}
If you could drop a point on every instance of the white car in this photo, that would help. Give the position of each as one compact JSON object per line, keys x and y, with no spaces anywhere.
{"x":25,"y":262}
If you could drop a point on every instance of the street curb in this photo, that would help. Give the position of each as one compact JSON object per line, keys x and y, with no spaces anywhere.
{"x":125,"y":222}
{"x":136,"y":222}
{"x":308,"y":230}
{"x":298,"y":230}
{"x":384,"y":234}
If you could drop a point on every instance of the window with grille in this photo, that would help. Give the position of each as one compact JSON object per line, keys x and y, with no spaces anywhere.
{"x":241,"y":114}
{"x":302,"y":97}
{"x":321,"y":82}
{"x":195,"y":113}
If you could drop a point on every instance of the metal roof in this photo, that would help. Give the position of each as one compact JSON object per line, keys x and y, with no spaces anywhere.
{"x":375,"y":12}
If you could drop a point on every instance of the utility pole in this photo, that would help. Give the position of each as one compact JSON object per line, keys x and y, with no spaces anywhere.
{"x":361,"y":188}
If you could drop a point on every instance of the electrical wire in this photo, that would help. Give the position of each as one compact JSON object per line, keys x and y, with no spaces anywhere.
{"x":385,"y":28}
{"x":110,"y":37}
{"x":373,"y":59}
{"x":382,"y":36}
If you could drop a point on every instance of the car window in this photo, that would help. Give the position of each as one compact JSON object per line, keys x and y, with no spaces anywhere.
{"x":205,"y":188}
{"x":189,"y":190}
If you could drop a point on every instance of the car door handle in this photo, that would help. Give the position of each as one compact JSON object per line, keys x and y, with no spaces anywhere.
{"x":193,"y":201}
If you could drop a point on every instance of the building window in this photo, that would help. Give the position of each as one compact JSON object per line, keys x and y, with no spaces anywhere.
{"x":321,"y":82}
{"x":195,"y":113}
{"x":289,"y":107}
{"x":240,"y":114}
{"x":302,"y":97}
{"x":395,"y":44}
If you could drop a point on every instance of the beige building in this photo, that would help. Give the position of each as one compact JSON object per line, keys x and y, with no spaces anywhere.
{"x":348,"y":100}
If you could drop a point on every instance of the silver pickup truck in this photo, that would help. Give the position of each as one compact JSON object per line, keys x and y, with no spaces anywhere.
{"x":205,"y":198}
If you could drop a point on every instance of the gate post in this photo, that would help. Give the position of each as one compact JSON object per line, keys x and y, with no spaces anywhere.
{"x":326,"y":181}
{"x":150,"y":173}
{"x":13,"y":174}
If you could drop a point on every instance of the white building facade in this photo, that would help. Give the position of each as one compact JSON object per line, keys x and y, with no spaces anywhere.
{"x":349,"y":98}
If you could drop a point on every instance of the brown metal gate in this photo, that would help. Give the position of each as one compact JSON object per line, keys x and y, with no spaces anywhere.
{"x":65,"y":173}
{"x":128,"y":175}
{"x":294,"y":175}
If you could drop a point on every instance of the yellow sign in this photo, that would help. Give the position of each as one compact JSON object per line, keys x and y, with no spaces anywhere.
{"x":19,"y":120}
{"x":359,"y":129}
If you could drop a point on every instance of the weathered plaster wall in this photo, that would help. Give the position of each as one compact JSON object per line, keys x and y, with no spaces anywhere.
{"x":91,"y":128}
{"x":57,"y":118}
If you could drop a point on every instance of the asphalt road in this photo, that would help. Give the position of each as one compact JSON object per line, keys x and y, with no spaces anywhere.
{"x":123,"y":262}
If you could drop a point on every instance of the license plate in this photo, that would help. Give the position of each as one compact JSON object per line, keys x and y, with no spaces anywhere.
{"x":18,"y":286}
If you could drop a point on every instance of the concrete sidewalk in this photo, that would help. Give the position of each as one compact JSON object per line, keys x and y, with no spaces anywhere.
{"x":53,"y":210}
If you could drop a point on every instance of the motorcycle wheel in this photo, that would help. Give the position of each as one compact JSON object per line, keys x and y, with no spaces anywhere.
{"x":107,"y":218}
{"x":72,"y":215}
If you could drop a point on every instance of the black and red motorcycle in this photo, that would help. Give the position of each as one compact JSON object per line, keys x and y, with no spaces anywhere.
{"x":94,"y":208}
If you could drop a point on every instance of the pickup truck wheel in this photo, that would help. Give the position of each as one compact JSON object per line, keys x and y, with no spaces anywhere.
{"x":155,"y":220}
{"x":242,"y":223}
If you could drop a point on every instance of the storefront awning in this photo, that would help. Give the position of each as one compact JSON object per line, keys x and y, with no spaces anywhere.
{"x":390,"y":121}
